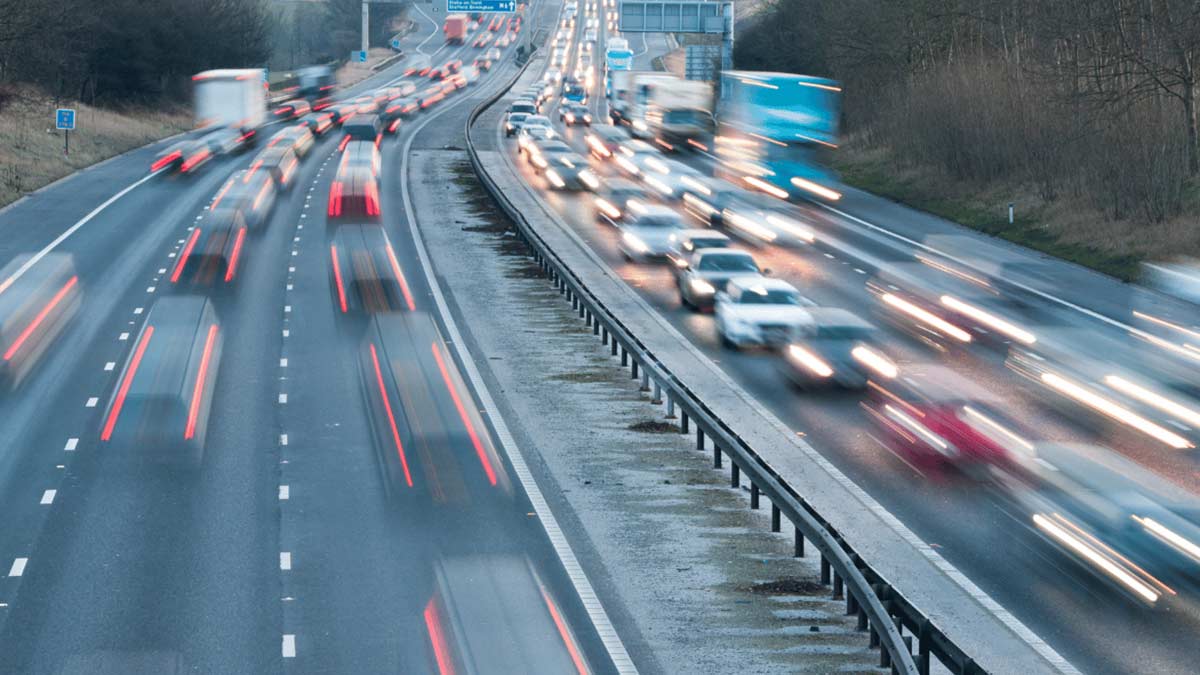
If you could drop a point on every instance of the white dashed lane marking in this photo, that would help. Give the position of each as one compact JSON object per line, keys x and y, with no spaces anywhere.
{"x":110,"y":365}
{"x":48,"y":497}
{"x":289,"y":646}
{"x":285,"y":560}
{"x":285,"y":492}
{"x":72,"y":443}
{"x":91,"y":402}
{"x":18,"y":567}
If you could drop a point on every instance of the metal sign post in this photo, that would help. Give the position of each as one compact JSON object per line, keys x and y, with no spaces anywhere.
{"x":64,"y":118}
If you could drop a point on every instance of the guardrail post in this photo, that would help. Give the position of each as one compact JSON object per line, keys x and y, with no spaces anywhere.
{"x":582,"y":308}
{"x":923,"y":646}
{"x":670,"y":407}
{"x":614,"y":346}
{"x":645,"y":380}
{"x":699,"y":438}
{"x":595,"y":323}
{"x":799,"y":547}
{"x":683,"y":420}
{"x":735,"y":474}
{"x":624,"y":356}
{"x":634,"y":370}
{"x":657,"y":394}
{"x":824,"y":570}
{"x":837,"y":586}
{"x":862,"y":620}
{"x":753,"y":495}
{"x":716,"y":456}
{"x":851,"y":604}
{"x":775,"y":518}
{"x":604,"y":335}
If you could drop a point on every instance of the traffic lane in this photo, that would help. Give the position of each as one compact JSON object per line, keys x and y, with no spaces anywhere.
{"x":1026,"y":577}
{"x":167,"y":543}
{"x":520,"y":536}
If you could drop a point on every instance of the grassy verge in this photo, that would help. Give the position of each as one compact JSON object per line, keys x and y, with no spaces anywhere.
{"x":1062,"y":228}
{"x":31,"y":151}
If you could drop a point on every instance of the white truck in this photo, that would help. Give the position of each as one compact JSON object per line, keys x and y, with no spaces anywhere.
{"x":233,"y":98}
{"x":677,"y":110}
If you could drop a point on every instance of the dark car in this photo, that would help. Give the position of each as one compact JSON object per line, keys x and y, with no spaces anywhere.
{"x":363,"y":128}
{"x":708,"y":271}
{"x":837,"y":347}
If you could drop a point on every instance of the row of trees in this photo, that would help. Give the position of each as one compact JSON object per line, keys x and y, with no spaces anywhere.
{"x":115,"y":51}
{"x":1095,"y":98}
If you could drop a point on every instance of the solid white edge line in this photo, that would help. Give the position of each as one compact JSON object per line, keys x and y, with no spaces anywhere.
{"x":71,"y":230}
{"x":1023,"y":632}
{"x":587,"y":594}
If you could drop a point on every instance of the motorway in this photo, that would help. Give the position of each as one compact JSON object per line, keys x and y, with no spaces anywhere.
{"x":297,"y":546}
{"x":965,"y":521}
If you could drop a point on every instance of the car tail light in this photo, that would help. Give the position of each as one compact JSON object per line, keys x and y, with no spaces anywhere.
{"x":335,"y":199}
{"x":231,"y":268}
{"x":165,"y":160}
{"x":194,"y":161}
{"x":372,"y":194}
{"x":344,"y":143}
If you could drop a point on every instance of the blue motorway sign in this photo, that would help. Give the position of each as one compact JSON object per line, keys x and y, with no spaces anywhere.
{"x":359,"y":56}
{"x":395,"y":43}
{"x":485,"y":6}
{"x":64,"y":118}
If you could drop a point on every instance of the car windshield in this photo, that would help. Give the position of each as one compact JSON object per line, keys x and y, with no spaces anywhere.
{"x":774,"y":296}
{"x":842,"y":333}
{"x":518,"y":117}
{"x":663,"y":221}
{"x":727,"y":262}
{"x":709,"y":242}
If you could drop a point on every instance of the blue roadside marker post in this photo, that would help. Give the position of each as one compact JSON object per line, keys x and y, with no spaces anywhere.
{"x":64,"y":118}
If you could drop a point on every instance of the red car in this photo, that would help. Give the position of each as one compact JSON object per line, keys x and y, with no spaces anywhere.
{"x":932,"y":417}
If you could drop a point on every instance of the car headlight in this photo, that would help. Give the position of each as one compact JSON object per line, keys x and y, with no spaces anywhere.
{"x":809,"y":361}
{"x":555,"y":179}
{"x":875,"y":361}
{"x":589,"y":179}
{"x":635,"y":243}
{"x":702,"y":287}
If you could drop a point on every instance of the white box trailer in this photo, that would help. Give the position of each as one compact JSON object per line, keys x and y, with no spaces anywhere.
{"x":235,"y":98}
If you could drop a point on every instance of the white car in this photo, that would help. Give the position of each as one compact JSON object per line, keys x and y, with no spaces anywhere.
{"x":631,"y":156}
{"x":668,"y":177}
{"x":757,"y":310}
{"x":707,"y":273}
{"x":646,"y":231}
{"x":553,"y":76}
{"x":530,"y":133}
{"x":590,"y":36}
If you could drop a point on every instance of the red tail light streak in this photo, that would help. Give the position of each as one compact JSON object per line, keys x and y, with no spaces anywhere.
{"x":231,"y":268}
{"x":123,"y":390}
{"x":41,"y":316}
{"x":337,"y":279}
{"x":387,"y":406}
{"x":183,"y":256}
{"x":462,"y":413}
{"x":201,"y":375}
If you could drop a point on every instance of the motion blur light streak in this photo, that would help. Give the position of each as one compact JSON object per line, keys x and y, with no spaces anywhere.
{"x":387,"y":406}
{"x":766,"y":187}
{"x":915,"y":427}
{"x":819,"y":190}
{"x":462,"y":413}
{"x":580,"y":667}
{"x":810,"y":361}
{"x":412,"y":307}
{"x":1019,"y":334}
{"x":926,"y":317}
{"x":187,"y":251}
{"x":437,"y":640}
{"x":998,"y":428}
{"x":1091,"y":555}
{"x":123,"y":391}
{"x":337,"y":278}
{"x":231,"y":269}
{"x":1148,"y":397}
{"x":1162,"y":532}
{"x":875,"y":361}
{"x":1115,"y":411}
{"x":198,"y":389}
{"x":37,"y":320}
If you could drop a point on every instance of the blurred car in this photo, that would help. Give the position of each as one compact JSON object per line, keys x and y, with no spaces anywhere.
{"x":398,"y":110}
{"x":632,"y":155}
{"x":213,"y":251}
{"x":299,"y":138}
{"x":837,"y":347}
{"x":362,"y":128}
{"x":354,"y":197}
{"x":575,"y":113}
{"x":35,"y":307}
{"x":909,"y":300}
{"x":933,"y":417}
{"x":184,"y":157}
{"x":541,"y":153}
{"x":163,"y":397}
{"x":523,"y":105}
{"x":530,"y":133}
{"x":758,"y":310}
{"x":250,"y":194}
{"x":590,"y":35}
{"x":708,"y":271}
{"x":361,"y":154}
{"x":368,"y":104}
{"x":668,"y":178}
{"x":613,"y":197}
{"x":292,"y":109}
{"x":417,"y":64}
{"x":513,"y":122}
{"x":604,"y":140}
{"x":761,"y":219}
{"x":318,"y":122}
{"x":343,"y":111}
{"x":570,"y":171}
{"x":483,"y":40}
{"x":646,"y":231}
{"x":687,"y":243}
{"x":430,"y":96}
{"x":1119,"y":521}
{"x":494,"y":609}
{"x":364,"y":273}
{"x":227,"y":141}
{"x":705,"y":199}
{"x":279,"y":161}
{"x":552,"y":75}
